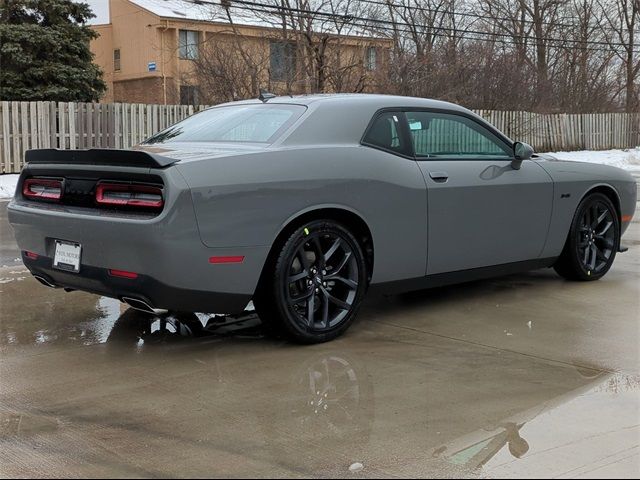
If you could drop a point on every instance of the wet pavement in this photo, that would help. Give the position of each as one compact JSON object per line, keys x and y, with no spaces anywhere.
{"x":525,"y":375}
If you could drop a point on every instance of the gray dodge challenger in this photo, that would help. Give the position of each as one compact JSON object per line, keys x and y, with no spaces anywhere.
{"x":302,"y":204}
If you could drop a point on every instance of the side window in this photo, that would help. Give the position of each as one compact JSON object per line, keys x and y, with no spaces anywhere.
{"x":443,"y":135}
{"x":385,"y":133}
{"x":282,"y":61}
{"x":116,"y":60}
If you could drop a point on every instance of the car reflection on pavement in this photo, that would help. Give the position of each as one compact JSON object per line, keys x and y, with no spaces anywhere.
{"x":334,"y":393}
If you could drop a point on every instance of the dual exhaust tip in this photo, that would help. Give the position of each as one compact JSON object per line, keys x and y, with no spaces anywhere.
{"x":143,"y":306}
{"x":135,"y":303}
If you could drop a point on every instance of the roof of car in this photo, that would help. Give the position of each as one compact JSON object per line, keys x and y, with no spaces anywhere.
{"x":377,"y":100}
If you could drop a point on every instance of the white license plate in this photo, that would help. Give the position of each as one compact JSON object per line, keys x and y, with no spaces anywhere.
{"x":67,"y":256}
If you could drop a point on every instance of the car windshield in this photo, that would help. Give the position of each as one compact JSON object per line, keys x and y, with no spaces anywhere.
{"x":253,"y":123}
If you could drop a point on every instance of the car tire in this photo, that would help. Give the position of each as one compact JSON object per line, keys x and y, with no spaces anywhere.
{"x":312,"y":289}
{"x":593,"y":240}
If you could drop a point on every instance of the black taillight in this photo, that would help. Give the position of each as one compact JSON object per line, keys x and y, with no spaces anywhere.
{"x":129,"y":195}
{"x":42,"y":189}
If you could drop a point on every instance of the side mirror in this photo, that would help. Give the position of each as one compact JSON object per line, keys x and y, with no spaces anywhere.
{"x":521,"y":151}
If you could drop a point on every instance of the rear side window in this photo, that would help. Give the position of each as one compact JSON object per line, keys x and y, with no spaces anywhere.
{"x":442,"y":135}
{"x":385,"y":133}
{"x":254,"y":123}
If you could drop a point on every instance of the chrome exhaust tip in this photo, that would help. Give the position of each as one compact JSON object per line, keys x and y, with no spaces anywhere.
{"x":143,"y":306}
{"x":44,"y":281}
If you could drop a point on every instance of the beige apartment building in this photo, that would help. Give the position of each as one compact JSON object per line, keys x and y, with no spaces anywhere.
{"x":149,"y":51}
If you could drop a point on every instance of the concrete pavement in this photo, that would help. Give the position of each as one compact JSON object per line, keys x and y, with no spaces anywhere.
{"x":526,"y":375}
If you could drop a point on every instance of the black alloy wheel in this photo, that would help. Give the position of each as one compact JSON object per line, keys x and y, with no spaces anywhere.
{"x":593,"y":240}
{"x":596,"y":237}
{"x":317,"y":285}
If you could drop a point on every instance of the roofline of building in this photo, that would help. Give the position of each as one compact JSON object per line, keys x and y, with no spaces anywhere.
{"x":260,"y":27}
{"x":241,"y":25}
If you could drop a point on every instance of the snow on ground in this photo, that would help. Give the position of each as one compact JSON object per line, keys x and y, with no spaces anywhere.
{"x":8,"y":185}
{"x":626,"y":159}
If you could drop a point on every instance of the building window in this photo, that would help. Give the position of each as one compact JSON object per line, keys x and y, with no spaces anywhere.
{"x":282,"y":61}
{"x":116,"y":60}
{"x":188,"y":44}
{"x":188,"y":95}
{"x":371,"y":58}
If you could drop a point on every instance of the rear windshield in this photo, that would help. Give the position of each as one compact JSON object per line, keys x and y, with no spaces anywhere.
{"x":255,"y":123}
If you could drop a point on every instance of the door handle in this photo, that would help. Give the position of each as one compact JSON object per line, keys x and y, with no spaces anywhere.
{"x":439,"y":176}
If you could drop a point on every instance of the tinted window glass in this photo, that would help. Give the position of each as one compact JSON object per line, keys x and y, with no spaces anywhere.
{"x":442,"y":135}
{"x":239,"y":123}
{"x":188,"y":44}
{"x":385,"y":133}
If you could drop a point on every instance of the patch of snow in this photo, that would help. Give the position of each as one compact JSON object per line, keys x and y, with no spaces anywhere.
{"x":8,"y":185}
{"x":258,"y":16}
{"x":628,"y":159}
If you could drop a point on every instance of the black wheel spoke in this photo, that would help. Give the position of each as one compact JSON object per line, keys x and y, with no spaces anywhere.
{"x":352,"y":284}
{"x":592,"y":261}
{"x":605,"y":229}
{"x":332,"y":249}
{"x":585,"y":257}
{"x":336,"y":301}
{"x":601,"y":218}
{"x":300,"y":298}
{"x":318,"y":251}
{"x":299,"y":276}
{"x":339,"y":267}
{"x":311,"y":305}
{"x":325,"y":311}
{"x":600,"y":255}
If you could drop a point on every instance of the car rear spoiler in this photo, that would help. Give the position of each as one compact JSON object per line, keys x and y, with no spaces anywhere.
{"x":96,"y":156}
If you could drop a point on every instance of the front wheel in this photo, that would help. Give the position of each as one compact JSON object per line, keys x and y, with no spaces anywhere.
{"x":593,"y":240}
{"x":312,"y":291}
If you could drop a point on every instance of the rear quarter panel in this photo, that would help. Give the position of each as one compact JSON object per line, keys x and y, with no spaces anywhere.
{"x":246,"y":200}
{"x":576,"y":179}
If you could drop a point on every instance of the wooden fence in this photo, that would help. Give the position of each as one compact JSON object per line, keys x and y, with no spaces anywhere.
{"x":26,"y":125}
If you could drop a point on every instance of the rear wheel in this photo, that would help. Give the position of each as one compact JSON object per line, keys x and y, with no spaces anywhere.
{"x":592,"y":242}
{"x":312,"y":291}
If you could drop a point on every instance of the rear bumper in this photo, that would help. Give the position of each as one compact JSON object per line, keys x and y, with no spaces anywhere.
{"x":173,"y":265}
{"x":151,"y":291}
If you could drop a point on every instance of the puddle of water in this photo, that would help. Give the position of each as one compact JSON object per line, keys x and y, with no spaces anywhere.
{"x":590,"y":434}
{"x":54,"y":317}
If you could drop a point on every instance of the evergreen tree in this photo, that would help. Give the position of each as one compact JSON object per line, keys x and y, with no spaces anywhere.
{"x":44,"y":52}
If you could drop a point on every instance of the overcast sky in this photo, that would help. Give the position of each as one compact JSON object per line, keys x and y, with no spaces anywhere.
{"x":101,"y":10}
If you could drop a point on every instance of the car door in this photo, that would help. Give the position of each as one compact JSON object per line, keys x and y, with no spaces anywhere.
{"x":481,"y":211}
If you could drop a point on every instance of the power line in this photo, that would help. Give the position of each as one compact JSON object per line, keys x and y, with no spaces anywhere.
{"x":394,"y":26}
{"x":390,"y":3}
{"x":454,"y":12}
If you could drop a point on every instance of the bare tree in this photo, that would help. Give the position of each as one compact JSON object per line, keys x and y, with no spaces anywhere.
{"x":585,"y":79}
{"x":229,"y":68}
{"x":621,"y":18}
{"x":539,"y":55}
